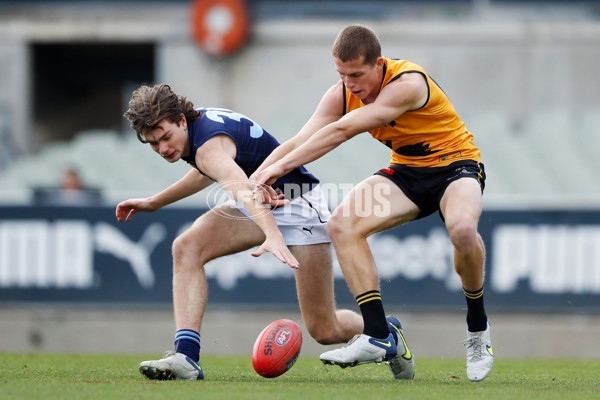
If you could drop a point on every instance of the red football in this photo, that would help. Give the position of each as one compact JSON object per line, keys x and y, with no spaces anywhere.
{"x":277,"y":348}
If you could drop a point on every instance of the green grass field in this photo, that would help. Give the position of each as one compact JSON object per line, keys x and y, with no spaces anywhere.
{"x":53,"y":376}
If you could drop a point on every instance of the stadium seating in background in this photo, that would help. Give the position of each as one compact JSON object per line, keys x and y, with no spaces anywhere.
{"x":549,"y":155}
{"x":106,"y":160}
{"x":586,"y":138}
{"x":509,"y":166}
{"x":551,"y":137}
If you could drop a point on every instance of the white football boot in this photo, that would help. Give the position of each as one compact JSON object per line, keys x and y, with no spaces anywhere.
{"x":480,"y":356}
{"x":362,"y":349}
{"x":172,"y":366}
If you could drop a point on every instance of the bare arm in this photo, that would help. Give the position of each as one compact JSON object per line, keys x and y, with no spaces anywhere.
{"x":189,"y":184}
{"x":407,"y":93}
{"x":216,"y":158}
{"x":328,"y":111}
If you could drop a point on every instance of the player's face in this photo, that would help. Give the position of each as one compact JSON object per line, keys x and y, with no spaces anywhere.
{"x":170,"y":140}
{"x":361,"y":79}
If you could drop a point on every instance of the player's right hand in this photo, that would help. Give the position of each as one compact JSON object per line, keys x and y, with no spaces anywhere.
{"x":127,"y":208}
{"x":267,"y":195}
{"x":267,"y":176}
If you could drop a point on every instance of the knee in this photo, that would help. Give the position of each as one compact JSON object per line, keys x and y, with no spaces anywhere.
{"x":321,"y":334}
{"x":339,"y":228}
{"x":186,"y":253}
{"x":179,"y":247}
{"x":463,"y":234}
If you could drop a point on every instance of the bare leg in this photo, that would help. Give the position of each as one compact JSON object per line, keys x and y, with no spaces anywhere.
{"x":461,"y":207}
{"x":374,"y":205}
{"x":314,"y":283}
{"x":212,"y":235}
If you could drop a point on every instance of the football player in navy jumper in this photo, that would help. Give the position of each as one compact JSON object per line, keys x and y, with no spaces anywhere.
{"x":226,"y":147}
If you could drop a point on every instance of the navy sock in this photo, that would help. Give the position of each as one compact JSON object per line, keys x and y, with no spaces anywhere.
{"x":371,"y":308}
{"x":187,"y":342}
{"x":476,"y":317}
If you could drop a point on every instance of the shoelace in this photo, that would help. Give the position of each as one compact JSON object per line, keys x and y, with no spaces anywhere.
{"x":352,"y":340}
{"x":475,"y":345}
{"x":168,"y":354}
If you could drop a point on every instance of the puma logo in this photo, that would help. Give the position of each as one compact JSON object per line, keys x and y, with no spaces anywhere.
{"x":111,"y":240}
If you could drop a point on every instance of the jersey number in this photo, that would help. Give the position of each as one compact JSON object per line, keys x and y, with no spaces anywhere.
{"x":217,"y":114}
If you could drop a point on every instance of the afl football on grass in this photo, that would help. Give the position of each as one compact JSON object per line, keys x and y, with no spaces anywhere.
{"x":277,"y":348}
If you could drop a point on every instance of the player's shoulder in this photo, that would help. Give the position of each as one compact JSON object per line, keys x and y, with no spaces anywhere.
{"x":334,"y":91}
{"x":334,"y":96}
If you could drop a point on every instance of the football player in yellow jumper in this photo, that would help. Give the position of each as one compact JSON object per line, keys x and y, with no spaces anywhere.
{"x":435,"y":166}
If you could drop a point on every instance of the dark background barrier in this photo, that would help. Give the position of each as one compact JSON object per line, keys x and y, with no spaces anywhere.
{"x":536,"y":261}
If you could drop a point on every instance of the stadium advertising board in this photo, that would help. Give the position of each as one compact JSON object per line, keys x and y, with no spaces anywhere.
{"x":536,"y":260}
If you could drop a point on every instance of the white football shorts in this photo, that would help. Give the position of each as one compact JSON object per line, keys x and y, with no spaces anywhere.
{"x":303,"y":221}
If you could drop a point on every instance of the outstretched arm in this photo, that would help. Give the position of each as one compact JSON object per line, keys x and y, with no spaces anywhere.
{"x":189,"y":184}
{"x":406,"y":93}
{"x":216,"y":158}
{"x":328,"y":111}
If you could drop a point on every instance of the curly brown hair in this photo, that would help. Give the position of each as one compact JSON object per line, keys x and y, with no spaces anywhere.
{"x":355,"y":41}
{"x":150,"y":105}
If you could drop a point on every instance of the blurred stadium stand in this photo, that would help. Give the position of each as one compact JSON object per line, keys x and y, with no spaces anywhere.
{"x":540,"y":160}
{"x":521,"y":74}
